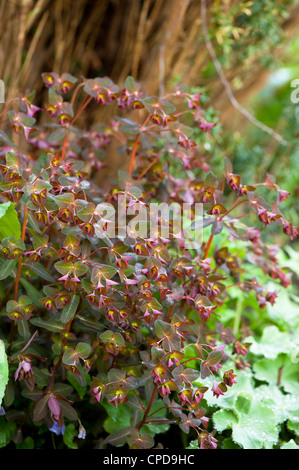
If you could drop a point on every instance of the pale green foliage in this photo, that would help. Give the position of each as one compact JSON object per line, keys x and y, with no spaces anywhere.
{"x":9,"y":222}
{"x":253,"y":411}
{"x":3,"y":370}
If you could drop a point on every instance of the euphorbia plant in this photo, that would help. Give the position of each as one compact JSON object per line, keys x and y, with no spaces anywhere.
{"x":91,"y":319}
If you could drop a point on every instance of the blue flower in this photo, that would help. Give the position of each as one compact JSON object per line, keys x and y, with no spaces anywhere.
{"x":57,"y":429}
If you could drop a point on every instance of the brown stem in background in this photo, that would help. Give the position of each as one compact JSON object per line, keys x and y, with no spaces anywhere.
{"x":279,"y":377}
{"x":225,"y":83}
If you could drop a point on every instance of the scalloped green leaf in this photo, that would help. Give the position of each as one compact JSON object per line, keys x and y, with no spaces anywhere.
{"x":267,"y":370}
{"x":272,"y":343}
{"x":224,"y":419}
{"x":257,"y":429}
{"x":9,"y":222}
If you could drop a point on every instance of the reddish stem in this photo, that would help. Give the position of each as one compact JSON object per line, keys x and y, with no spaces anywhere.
{"x":148,"y":168}
{"x":82,"y":107}
{"x":133,"y":154}
{"x":7,"y":106}
{"x":237,"y":203}
{"x":208,"y":246}
{"x":148,"y":408}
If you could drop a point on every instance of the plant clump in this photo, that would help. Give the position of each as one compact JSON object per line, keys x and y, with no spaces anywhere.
{"x":99,"y":317}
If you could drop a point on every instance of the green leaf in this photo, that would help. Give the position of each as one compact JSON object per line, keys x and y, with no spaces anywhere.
{"x":23,"y":329}
{"x":41,"y":408}
{"x":3,"y":370}
{"x":63,"y":389}
{"x":7,"y":429}
{"x":193,"y":445}
{"x":38,"y":269}
{"x":64,"y":267}
{"x":257,"y":429}
{"x":268,"y":370}
{"x":293,"y":426}
{"x":108,"y":271}
{"x":68,"y":436}
{"x":167,"y":107}
{"x":131,"y":85}
{"x":285,"y":311}
{"x":49,"y":325}
{"x":284,"y":405}
{"x":211,"y":180}
{"x":70,"y":310}
{"x":13,"y":161}
{"x":32,"y":292}
{"x":69,"y":357}
{"x":27,"y":443}
{"x":112,"y":336}
{"x":7,"y":268}
{"x":57,"y":135}
{"x":118,"y":437}
{"x":243,"y":403}
{"x":224,"y":419}
{"x":83,"y":349}
{"x":64,"y":200}
{"x":226,"y":401}
{"x":9,"y":222}
{"x":67,"y":410}
{"x":213,"y":358}
{"x":162,"y":328}
{"x":4,"y":138}
{"x":157,"y":428}
{"x":118,"y":418}
{"x":228,"y":443}
{"x":272,"y":343}
{"x":81,"y":390}
{"x":116,"y":375}
{"x":290,"y":445}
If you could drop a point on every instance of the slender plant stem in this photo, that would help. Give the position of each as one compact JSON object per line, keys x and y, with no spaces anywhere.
{"x":148,"y":168}
{"x":133,"y":154}
{"x":148,"y":408}
{"x":76,"y":91}
{"x":238,"y":314}
{"x":138,"y":398}
{"x":159,"y":420}
{"x":82,"y":107}
{"x":7,"y":106}
{"x":40,"y":174}
{"x":208,"y":246}
{"x":237,"y":203}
